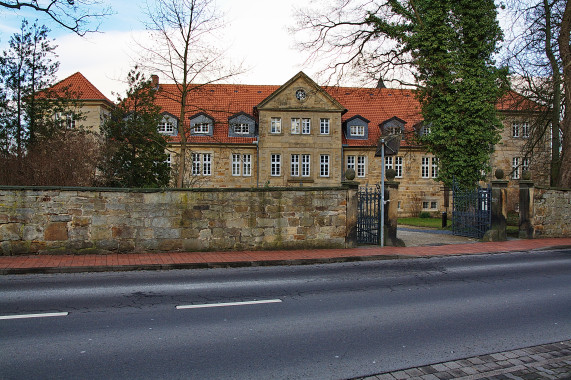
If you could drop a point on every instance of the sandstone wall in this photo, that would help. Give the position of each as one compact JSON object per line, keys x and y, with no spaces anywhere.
{"x":552,"y":212}
{"x":54,"y":221}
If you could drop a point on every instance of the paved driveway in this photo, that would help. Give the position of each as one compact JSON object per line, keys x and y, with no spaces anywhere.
{"x":415,"y":237}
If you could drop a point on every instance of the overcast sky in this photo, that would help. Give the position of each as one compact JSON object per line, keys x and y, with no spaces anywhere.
{"x":256,"y":34}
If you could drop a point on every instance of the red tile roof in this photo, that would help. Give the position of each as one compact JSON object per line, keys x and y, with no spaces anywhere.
{"x":78,"y":84}
{"x":223,"y":100}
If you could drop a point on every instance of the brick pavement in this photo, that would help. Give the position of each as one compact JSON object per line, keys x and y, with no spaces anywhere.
{"x":547,"y":361}
{"x":180,"y":260}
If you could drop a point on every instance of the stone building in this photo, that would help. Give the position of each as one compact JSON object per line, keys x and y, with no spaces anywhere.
{"x":303,"y":134}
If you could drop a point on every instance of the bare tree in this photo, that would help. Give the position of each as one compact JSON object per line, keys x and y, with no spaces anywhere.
{"x":74,"y":15}
{"x":182,"y":50}
{"x":565,"y":51}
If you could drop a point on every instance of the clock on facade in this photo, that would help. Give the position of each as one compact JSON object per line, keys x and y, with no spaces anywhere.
{"x":300,"y":94}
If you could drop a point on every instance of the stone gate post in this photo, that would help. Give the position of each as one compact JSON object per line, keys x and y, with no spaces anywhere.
{"x":352,"y":208}
{"x":526,"y":188}
{"x":497,"y":231}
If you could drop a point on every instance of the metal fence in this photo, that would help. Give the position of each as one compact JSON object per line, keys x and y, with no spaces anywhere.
{"x":472,"y":211}
{"x":369,"y":216}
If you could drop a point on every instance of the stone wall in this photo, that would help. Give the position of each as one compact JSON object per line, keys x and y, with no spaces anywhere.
{"x":551,"y":212}
{"x":57,"y":221}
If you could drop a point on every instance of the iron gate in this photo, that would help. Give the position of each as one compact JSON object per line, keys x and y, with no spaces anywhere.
{"x":472,"y":211}
{"x":369,"y":216}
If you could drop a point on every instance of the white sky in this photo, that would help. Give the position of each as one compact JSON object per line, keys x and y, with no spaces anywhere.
{"x":256,"y":33}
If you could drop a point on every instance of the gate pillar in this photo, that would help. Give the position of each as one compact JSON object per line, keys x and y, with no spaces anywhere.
{"x":352,"y":209}
{"x":526,"y":230}
{"x":391,"y":212}
{"x":497,"y":231}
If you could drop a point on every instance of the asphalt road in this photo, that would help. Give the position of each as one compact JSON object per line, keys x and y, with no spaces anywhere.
{"x":304,"y":322}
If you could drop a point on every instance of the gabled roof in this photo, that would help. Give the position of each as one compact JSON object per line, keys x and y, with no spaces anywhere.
{"x":81,"y":87}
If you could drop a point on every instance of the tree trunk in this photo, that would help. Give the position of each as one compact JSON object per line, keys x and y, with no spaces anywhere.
{"x":565,"y":51}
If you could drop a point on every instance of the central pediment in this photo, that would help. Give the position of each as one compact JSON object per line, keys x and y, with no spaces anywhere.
{"x":300,"y":93}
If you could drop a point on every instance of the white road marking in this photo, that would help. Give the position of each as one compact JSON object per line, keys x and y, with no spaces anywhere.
{"x":42,"y":315}
{"x":224,"y":304}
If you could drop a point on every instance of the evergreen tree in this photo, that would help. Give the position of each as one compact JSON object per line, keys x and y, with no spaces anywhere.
{"x":26,"y":69}
{"x":136,"y":150}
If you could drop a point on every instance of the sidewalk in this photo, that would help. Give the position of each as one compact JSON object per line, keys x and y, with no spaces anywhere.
{"x":189,"y":260}
{"x":546,"y":361}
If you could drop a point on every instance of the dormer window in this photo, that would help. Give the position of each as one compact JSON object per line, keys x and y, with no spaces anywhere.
{"x":241,"y":129}
{"x":201,"y":124}
{"x":357,"y":127}
{"x":201,"y":128}
{"x":166,"y":127}
{"x":393,"y":130}
{"x":168,"y":124}
{"x":393,"y":127}
{"x":357,"y":130}
{"x":425,"y":130}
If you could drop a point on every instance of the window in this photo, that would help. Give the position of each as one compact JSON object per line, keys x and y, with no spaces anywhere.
{"x":424,"y":167}
{"x":203,"y":161}
{"x":235,"y":164}
{"x":361,"y":166}
{"x":295,"y":165}
{"x":241,"y":129}
{"x":295,"y":126}
{"x":276,"y":125}
{"x":324,"y":126}
{"x":398,"y":166}
{"x":434,"y":167}
{"x":515,"y":168}
{"x":357,"y":130}
{"x":276,"y":165}
{"x":202,"y":128}
{"x":244,"y":165}
{"x":351,"y":162}
{"x":169,"y":160}
{"x":425,"y":205}
{"x":247,"y":165}
{"x":388,"y":163}
{"x":394,"y":130}
{"x":306,"y":126}
{"x":324,"y":165}
{"x":433,"y":205}
{"x":206,"y":164}
{"x":305,"y":165}
{"x":515,"y":129}
{"x":425,"y":130}
{"x":525,"y":165}
{"x":525,"y":129}
{"x":195,"y":164}
{"x":166,"y":127}
{"x":65,"y":121}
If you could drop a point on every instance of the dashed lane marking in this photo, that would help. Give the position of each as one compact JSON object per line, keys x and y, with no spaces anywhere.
{"x":40,"y":315}
{"x":224,"y":304}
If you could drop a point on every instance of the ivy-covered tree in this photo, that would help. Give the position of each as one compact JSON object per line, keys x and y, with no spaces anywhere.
{"x":135,"y":150}
{"x":448,"y":45}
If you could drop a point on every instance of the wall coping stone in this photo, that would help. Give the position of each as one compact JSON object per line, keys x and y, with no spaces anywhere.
{"x":170,"y":189}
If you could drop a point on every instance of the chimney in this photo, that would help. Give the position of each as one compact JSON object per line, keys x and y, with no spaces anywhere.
{"x":155,"y":81}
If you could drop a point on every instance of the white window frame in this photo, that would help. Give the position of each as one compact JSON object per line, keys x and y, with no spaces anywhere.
{"x":515,"y":129}
{"x":276,"y":125}
{"x":324,"y":126}
{"x":196,"y":164}
{"x":425,"y":130}
{"x":201,"y":128}
{"x":324,"y":165}
{"x":276,"y":165}
{"x":399,"y":163}
{"x":358,"y":130}
{"x":434,"y":167}
{"x":295,"y":125}
{"x":241,"y":129}
{"x":305,"y":126}
{"x":515,"y":168}
{"x":206,"y":164}
{"x":247,"y":165}
{"x":361,"y":166}
{"x":425,"y":167}
{"x":294,"y":165}
{"x":388,"y":163}
{"x":351,"y":163}
{"x":525,"y":129}
{"x":435,"y":203}
{"x":169,"y":160}
{"x":524,"y":164}
{"x":394,"y":130}
{"x":235,"y":164}
{"x":166,"y":127}
{"x":305,"y":165}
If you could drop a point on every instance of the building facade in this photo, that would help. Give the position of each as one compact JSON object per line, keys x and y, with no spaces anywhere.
{"x":302,"y":134}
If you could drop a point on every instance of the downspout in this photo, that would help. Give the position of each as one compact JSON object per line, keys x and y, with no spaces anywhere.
{"x":257,"y":162}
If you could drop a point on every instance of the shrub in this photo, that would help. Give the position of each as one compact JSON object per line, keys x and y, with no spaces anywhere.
{"x":425,"y":214}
